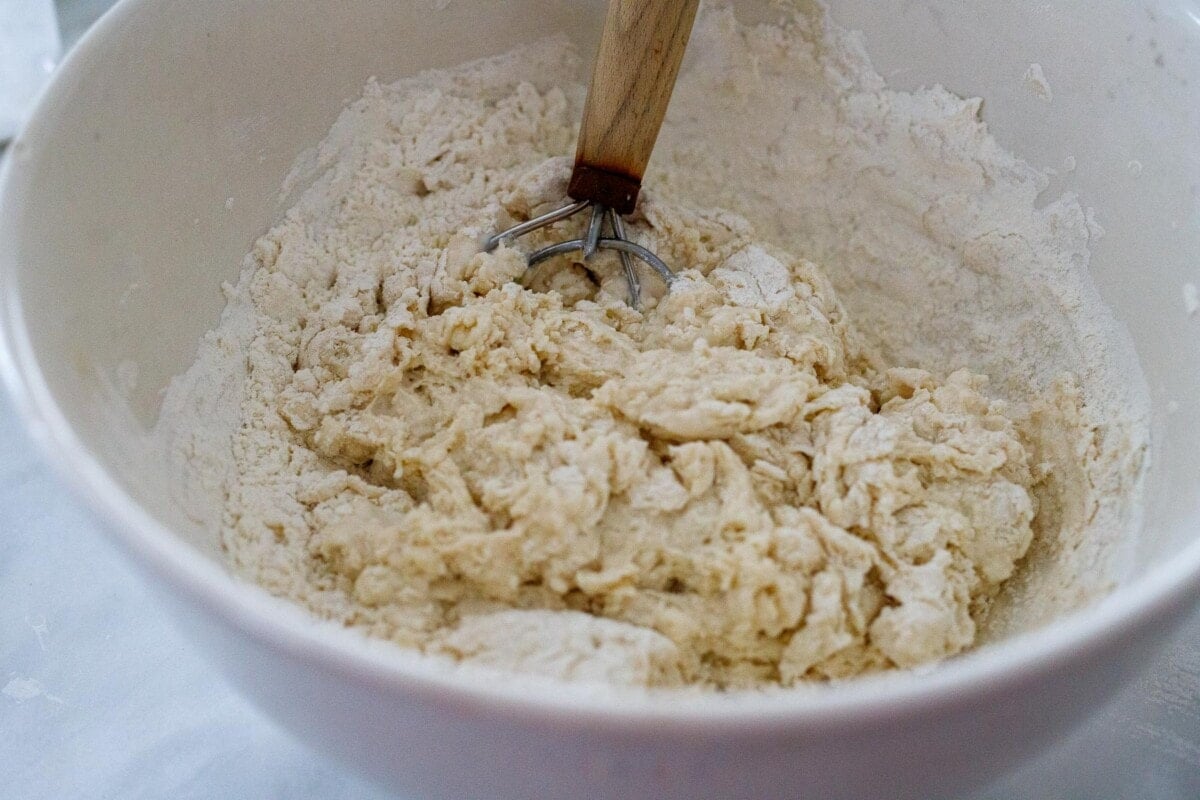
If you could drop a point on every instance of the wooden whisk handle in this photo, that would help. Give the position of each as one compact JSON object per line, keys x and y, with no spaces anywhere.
{"x":640,"y":50}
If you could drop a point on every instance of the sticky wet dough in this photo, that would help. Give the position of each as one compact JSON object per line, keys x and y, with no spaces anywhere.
{"x":734,"y":486}
{"x":722,"y":489}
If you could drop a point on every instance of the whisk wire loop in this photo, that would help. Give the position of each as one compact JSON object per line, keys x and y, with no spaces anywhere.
{"x":592,"y":241}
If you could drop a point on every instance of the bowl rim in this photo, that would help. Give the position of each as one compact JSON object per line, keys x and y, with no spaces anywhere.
{"x":283,"y":626}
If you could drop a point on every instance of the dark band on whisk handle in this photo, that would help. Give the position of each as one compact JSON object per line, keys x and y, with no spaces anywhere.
{"x":610,"y":189}
{"x":640,"y":51}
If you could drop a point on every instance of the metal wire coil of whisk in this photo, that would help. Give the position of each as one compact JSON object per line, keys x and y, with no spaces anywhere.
{"x":641,"y":48}
{"x":592,"y":242}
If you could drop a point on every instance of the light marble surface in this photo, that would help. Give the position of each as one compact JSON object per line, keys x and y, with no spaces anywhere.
{"x":101,"y":698}
{"x":76,"y":16}
{"x":29,"y":50}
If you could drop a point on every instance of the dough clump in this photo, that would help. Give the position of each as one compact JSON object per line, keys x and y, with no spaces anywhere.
{"x":722,"y":488}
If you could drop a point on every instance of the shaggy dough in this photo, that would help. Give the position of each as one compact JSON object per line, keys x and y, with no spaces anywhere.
{"x":723,"y":488}
{"x":728,"y":488}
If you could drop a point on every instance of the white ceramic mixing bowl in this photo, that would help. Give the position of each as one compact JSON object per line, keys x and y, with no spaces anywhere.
{"x":155,"y":160}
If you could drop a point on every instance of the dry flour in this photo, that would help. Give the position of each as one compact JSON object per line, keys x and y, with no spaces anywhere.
{"x":751,"y":482}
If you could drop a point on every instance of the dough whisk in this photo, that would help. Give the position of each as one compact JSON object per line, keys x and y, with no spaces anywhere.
{"x":641,"y":48}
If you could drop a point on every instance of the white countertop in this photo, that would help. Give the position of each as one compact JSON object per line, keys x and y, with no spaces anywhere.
{"x":101,"y":698}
